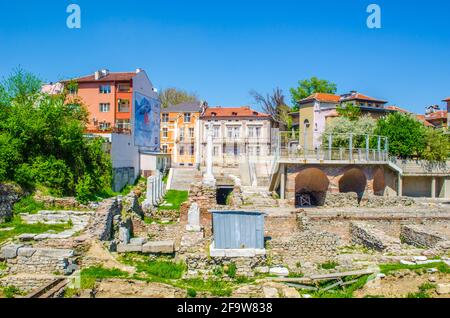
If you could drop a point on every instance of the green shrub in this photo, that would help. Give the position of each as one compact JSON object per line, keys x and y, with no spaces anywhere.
{"x":11,"y":292}
{"x":28,"y":205}
{"x":91,"y":274}
{"x":329,"y":265}
{"x":231,"y":270}
{"x":192,"y":293}
{"x":161,"y":269}
{"x":85,"y":189}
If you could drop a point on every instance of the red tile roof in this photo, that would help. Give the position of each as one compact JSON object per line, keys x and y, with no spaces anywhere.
{"x":322,"y":97}
{"x":399,"y":109}
{"x":111,"y":77}
{"x":422,"y":119}
{"x":447,"y":100}
{"x":359,"y":96}
{"x":244,"y":111}
{"x":441,"y":114}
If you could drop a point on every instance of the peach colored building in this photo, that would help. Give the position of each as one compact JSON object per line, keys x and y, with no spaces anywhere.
{"x":109,"y":98}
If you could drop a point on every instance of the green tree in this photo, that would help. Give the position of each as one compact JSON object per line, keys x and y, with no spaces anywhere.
{"x":437,"y":145}
{"x":349,"y":111}
{"x":175,"y":96}
{"x":42,"y":140}
{"x":342,"y":127}
{"x":406,"y":134}
{"x":310,"y":86}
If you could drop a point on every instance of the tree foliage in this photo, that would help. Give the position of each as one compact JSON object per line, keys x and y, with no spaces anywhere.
{"x":349,"y":111}
{"x":437,"y":145}
{"x":310,"y":86}
{"x":175,"y":96}
{"x":406,"y":134}
{"x":274,"y":105}
{"x":42,"y":139}
{"x":342,"y":127}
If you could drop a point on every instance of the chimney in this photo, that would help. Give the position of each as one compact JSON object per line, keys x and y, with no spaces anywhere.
{"x":101,"y":73}
{"x":97,"y":75}
{"x":138,"y":70}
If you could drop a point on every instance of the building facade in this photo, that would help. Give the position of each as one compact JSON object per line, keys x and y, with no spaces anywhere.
{"x":318,"y":110}
{"x":180,"y":133}
{"x":238,"y":133}
{"x":109,"y":98}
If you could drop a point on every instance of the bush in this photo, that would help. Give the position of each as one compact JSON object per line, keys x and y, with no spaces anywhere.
{"x":191,"y":293}
{"x":84,"y":189}
{"x":231,"y":270}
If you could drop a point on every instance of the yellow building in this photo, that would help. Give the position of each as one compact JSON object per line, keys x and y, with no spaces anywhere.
{"x":180,"y":126}
{"x":318,"y":110}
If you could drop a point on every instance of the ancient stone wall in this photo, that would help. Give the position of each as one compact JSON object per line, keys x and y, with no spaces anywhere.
{"x":280,"y":226}
{"x":9,"y":194}
{"x":25,"y":259}
{"x":420,"y":236}
{"x":371,"y":237}
{"x":204,"y":266}
{"x":304,"y":246}
{"x":101,"y":226}
{"x":204,"y":196}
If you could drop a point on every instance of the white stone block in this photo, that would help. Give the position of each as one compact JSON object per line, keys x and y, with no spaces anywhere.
{"x":279,"y":271}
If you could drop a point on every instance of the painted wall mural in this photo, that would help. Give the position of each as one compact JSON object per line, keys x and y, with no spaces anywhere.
{"x":146,"y":122}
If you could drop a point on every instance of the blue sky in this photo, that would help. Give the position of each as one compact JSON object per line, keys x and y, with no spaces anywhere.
{"x":223,"y":49}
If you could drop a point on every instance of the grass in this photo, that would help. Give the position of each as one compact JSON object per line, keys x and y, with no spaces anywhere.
{"x":11,"y":292}
{"x":175,"y":199}
{"x":18,"y":227}
{"x":161,"y":268}
{"x":329,"y":265}
{"x":343,"y":292}
{"x":216,"y":287}
{"x":3,"y":266}
{"x":389,"y":268}
{"x":91,"y":274}
{"x":28,"y":205}
{"x":149,"y":220}
{"x":419,"y":294}
{"x":231,"y":270}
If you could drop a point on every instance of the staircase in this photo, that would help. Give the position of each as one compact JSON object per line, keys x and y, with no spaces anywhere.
{"x":183,"y":177}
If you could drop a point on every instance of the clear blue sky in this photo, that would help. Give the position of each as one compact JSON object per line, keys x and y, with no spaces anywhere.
{"x":221,"y":49}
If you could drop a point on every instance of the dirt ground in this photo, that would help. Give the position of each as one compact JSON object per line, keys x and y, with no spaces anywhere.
{"x":118,"y":288}
{"x":400,"y":285}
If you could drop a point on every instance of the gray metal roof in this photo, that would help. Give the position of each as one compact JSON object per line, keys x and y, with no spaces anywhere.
{"x":183,"y":108}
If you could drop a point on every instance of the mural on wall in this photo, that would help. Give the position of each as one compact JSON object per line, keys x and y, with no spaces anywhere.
{"x":146,"y":122}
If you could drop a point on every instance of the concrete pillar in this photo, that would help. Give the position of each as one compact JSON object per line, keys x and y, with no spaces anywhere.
{"x":283,"y":182}
{"x":433,"y":187}
{"x":400,"y":185}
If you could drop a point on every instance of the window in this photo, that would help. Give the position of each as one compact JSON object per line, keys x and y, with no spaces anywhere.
{"x":105,"y":126}
{"x":216,"y":151}
{"x":258,"y":150}
{"x":165,"y":133}
{"x":216,"y":131}
{"x":123,"y":124}
{"x":191,"y":132}
{"x":104,"y":107}
{"x":187,"y":117}
{"x":250,"y":132}
{"x":258,"y":132}
{"x":164,"y":149}
{"x":236,"y":150}
{"x":124,"y":106}
{"x":182,"y":135}
{"x":105,"y":89}
{"x":233,"y":132}
{"x":192,"y":150}
{"x":124,"y":88}
{"x":165,"y":118}
{"x":181,"y":150}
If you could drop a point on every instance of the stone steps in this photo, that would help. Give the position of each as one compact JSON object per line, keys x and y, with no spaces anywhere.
{"x":183,"y":177}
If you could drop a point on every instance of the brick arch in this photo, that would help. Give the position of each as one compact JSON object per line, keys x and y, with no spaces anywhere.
{"x":379,"y":182}
{"x":314,"y":182}
{"x":353,"y":180}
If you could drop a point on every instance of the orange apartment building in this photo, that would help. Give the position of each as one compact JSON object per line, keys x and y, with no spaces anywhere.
{"x":180,"y":137}
{"x":109,"y":98}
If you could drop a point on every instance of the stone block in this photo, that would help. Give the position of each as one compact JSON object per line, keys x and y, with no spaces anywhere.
{"x":124,"y":235}
{"x":54,"y":253}
{"x":9,"y":251}
{"x":443,"y":289}
{"x":138,"y":241}
{"x":26,"y":251}
{"x":26,"y":237}
{"x":279,"y":271}
{"x":270,"y":292}
{"x":159,"y":247}
{"x":127,"y":248}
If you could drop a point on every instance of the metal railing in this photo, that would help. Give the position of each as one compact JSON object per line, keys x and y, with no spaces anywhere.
{"x":334,"y":154}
